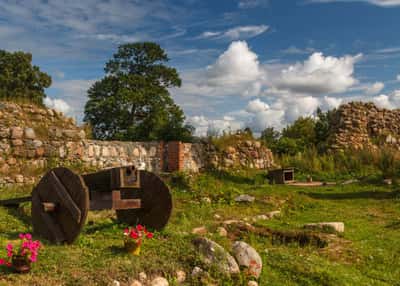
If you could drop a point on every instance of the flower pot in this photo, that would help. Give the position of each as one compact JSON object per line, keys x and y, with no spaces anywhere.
{"x":132,"y":247}
{"x":21,"y":264}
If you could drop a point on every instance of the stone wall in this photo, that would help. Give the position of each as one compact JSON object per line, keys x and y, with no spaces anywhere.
{"x":358,"y":125}
{"x":34,"y":138}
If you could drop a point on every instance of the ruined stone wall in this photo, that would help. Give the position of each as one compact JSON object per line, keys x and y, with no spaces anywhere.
{"x":358,"y":125}
{"x":34,"y":138}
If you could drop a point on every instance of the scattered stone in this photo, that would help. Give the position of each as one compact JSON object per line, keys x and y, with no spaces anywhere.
{"x":244,"y":198}
{"x":196,"y":271}
{"x":159,"y":281}
{"x":222,"y":231}
{"x":142,"y":277}
{"x":213,"y":254}
{"x":202,"y":230}
{"x":387,"y":181}
{"x":17,"y":142}
{"x":330,"y":226}
{"x":180,"y":276}
{"x":260,"y":217}
{"x":206,"y":200}
{"x":115,"y":283}
{"x":12,"y":161}
{"x":252,"y":283}
{"x":217,"y":216}
{"x":136,"y":283}
{"x":248,"y":257}
{"x":273,"y":214}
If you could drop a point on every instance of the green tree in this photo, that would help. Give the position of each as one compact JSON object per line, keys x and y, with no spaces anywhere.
{"x":322,"y":128}
{"x":270,"y":137}
{"x":19,"y":79}
{"x":132,"y":101}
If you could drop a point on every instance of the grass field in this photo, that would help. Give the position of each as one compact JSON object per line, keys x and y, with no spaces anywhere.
{"x":368,"y":253}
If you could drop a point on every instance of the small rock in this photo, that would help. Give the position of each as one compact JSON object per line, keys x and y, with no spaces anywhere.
{"x":136,"y":283}
{"x":19,"y":179}
{"x":217,"y":216}
{"x":273,"y":214}
{"x":159,"y":281}
{"x":202,"y":230}
{"x":260,"y":217}
{"x":16,"y":132}
{"x":142,"y":277}
{"x":212,"y":253}
{"x":180,"y":276}
{"x":387,"y":181}
{"x":222,"y":231}
{"x":252,"y":283}
{"x":30,"y":133}
{"x":332,"y":226}
{"x":206,"y":200}
{"x":115,"y":283}
{"x":244,"y":198}
{"x":247,"y":256}
{"x":196,"y":271}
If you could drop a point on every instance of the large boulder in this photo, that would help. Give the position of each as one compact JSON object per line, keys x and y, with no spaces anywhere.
{"x":248,"y":257}
{"x":215,"y":255}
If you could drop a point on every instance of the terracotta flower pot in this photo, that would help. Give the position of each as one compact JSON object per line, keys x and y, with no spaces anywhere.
{"x":132,"y":247}
{"x":21,"y":264}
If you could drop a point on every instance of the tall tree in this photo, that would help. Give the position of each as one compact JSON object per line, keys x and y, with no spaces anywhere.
{"x":132,"y":101}
{"x":19,"y":79}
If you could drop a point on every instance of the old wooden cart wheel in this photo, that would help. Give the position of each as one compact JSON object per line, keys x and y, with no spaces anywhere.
{"x":156,"y":203}
{"x":60,"y":203}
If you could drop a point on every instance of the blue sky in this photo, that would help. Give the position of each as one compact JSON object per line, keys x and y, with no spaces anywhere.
{"x":254,"y":63}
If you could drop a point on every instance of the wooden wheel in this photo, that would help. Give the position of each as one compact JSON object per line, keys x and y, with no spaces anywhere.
{"x":156,"y":203}
{"x":60,"y":203}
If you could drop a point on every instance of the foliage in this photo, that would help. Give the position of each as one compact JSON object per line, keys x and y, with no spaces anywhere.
{"x":221,"y":142}
{"x":132,"y":101}
{"x":21,"y":80}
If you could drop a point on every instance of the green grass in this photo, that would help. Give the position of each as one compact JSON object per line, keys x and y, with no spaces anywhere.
{"x":368,"y":253}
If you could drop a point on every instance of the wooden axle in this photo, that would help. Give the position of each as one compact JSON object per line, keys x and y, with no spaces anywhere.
{"x":62,"y":199}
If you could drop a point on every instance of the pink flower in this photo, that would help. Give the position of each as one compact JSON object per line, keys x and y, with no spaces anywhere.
{"x":9,"y":247}
{"x":28,"y":236}
{"x":21,"y":236}
{"x":139,"y":227}
{"x":2,"y":262}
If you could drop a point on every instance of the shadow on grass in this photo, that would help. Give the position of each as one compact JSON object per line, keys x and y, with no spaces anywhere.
{"x":237,"y":179}
{"x":117,"y":250}
{"x":355,"y":195}
{"x":19,"y":213}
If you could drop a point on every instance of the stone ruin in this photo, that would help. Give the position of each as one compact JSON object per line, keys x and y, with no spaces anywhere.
{"x":359,"y":125}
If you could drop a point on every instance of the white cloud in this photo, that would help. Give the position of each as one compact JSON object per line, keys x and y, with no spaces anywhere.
{"x":57,"y":104}
{"x":205,"y":126}
{"x":331,"y":102}
{"x":293,"y":50}
{"x":256,"y":105}
{"x":375,"y":88}
{"x":398,"y":77}
{"x":246,"y":4}
{"x":318,"y":75}
{"x":390,"y":101}
{"x":72,"y":92}
{"x":381,"y":3}
{"x":236,"y":33}
{"x":236,"y":66}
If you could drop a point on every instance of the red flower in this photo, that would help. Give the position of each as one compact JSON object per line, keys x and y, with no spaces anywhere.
{"x":139,"y":227}
{"x":149,"y":235}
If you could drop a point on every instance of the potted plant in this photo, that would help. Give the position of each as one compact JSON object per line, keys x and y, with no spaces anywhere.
{"x":134,"y":237}
{"x":20,"y":258}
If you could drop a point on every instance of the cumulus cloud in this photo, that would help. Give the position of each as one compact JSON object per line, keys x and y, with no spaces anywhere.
{"x":256,"y":105}
{"x":390,"y":101}
{"x":237,"y":65}
{"x":205,"y":126}
{"x":375,"y":88}
{"x":57,"y":104}
{"x":236,"y":33}
{"x":318,"y":75}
